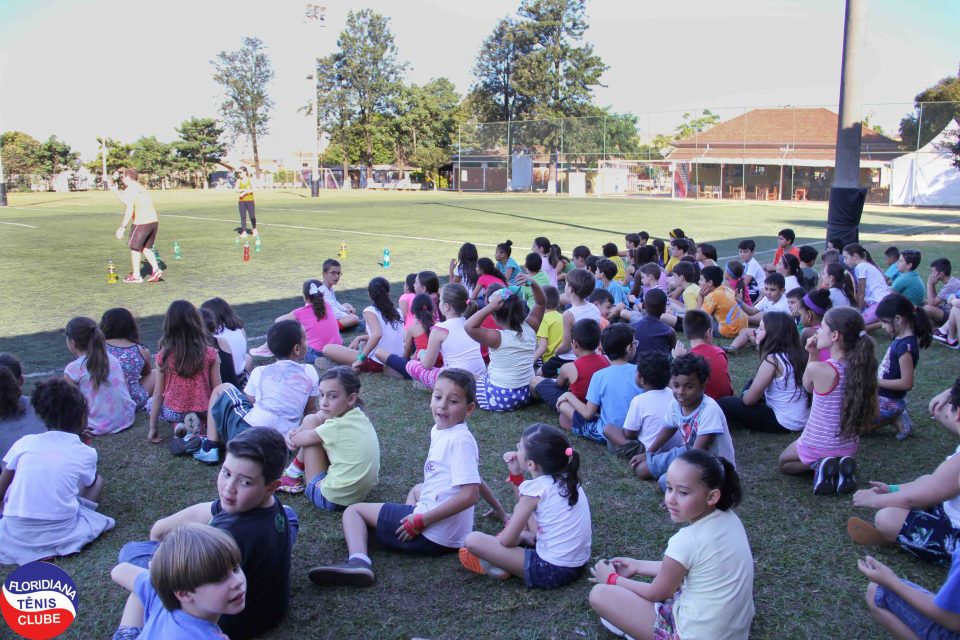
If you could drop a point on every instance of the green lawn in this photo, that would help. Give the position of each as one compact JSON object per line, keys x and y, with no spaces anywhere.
{"x":53,"y":267}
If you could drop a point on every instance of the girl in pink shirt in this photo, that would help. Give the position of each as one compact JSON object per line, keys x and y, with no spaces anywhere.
{"x":318,"y":320}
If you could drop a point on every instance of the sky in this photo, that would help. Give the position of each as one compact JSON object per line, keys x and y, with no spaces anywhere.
{"x":79,"y":69}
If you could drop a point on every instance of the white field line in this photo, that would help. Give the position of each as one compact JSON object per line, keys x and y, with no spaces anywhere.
{"x":18,"y":224}
{"x":331,"y":230}
{"x":55,"y":372}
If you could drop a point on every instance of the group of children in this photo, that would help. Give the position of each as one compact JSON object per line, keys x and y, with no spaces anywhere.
{"x":593,"y":337}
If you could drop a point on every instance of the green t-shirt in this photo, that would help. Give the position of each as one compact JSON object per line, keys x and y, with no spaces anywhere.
{"x":910,"y":285}
{"x":353,"y":448}
{"x":527,"y":291}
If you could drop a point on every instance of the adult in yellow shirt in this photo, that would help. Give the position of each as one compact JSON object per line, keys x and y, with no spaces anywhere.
{"x":245,"y":187}
{"x":141,"y":212}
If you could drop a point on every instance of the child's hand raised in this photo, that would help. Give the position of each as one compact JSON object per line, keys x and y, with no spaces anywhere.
{"x":811,"y":344}
{"x":522,"y":278}
{"x":679,"y":350}
{"x":513,"y":465}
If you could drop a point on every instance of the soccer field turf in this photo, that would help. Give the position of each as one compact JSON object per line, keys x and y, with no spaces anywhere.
{"x":53,"y":254}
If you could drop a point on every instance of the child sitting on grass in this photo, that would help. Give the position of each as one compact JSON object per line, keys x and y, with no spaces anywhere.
{"x":645,"y":416}
{"x":697,"y":327}
{"x":384,"y":331}
{"x":248,"y":509}
{"x":277,"y":396}
{"x":844,"y":390}
{"x":696,"y":416}
{"x":574,"y":375}
{"x":610,"y":392}
{"x":194,"y":579}
{"x":100,"y":378}
{"x":684,"y":293}
{"x":720,"y":301}
{"x":606,"y":272}
{"x":649,"y":331}
{"x":345,"y":314}
{"x":891,"y":256}
{"x":188,"y":368}
{"x":318,"y":320}
{"x":938,"y":303}
{"x":17,"y":417}
{"x":338,"y":447}
{"x":550,"y":333}
{"x":438,"y":514}
{"x":50,"y":481}
{"x":703,"y":588}
{"x":810,"y":279}
{"x":580,"y":285}
{"x":603,"y":301}
{"x":122,"y":336}
{"x":907,"y":281}
{"x":552,"y":516}
{"x":773,"y":300}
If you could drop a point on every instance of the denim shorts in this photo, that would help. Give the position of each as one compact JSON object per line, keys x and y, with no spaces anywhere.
{"x":315,"y":496}
{"x":658,"y":463}
{"x":589,"y":429}
{"x":228,"y":412}
{"x":388,"y":522}
{"x":540,"y":574}
{"x":920,"y":625}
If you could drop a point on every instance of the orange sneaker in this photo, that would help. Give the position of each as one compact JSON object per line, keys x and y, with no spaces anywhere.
{"x":472,"y":563}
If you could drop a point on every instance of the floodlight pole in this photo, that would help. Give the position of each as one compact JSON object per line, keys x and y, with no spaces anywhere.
{"x":316,"y":13}
{"x":846,"y":195}
{"x":3,"y":182}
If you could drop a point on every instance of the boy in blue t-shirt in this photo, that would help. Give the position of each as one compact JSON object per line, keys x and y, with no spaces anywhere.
{"x":606,"y":276}
{"x":194,"y":578}
{"x":610,"y":392}
{"x":264,"y":529}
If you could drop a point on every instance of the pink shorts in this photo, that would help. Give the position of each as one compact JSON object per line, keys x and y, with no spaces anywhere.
{"x":811,"y":455}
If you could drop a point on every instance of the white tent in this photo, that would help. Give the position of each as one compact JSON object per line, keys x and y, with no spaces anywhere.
{"x":926,"y":178}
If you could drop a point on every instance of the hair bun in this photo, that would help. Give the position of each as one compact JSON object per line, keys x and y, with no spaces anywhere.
{"x":509,"y":243}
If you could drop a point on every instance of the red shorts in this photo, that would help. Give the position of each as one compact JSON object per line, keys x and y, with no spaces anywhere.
{"x":142,"y":236}
{"x":370,"y":366}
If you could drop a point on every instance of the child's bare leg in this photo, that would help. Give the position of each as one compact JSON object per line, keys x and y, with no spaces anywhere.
{"x":643,"y":471}
{"x":149,"y":383}
{"x":488,"y":548}
{"x":886,"y":619}
{"x":565,"y":411}
{"x":340,"y":354}
{"x":889,"y":521}
{"x":132,"y":612}
{"x":533,"y":385}
{"x":356,"y":520}
{"x":627,"y":611}
{"x":212,"y":434}
{"x":742,"y":339}
{"x":496,"y":509}
{"x":315,"y":460}
{"x":790,"y":463}
{"x":952,"y":323}
{"x":349,"y":320}
{"x":670,"y":319}
{"x":615,"y":434}
{"x":413,"y":496}
{"x":93,"y":492}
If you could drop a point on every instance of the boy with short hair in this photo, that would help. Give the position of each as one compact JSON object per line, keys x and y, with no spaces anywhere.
{"x":696,"y":416}
{"x":644,"y":238}
{"x":794,"y":297}
{"x":785,"y":240}
{"x":720,"y":301}
{"x":603,"y":301}
{"x":610,"y":392}
{"x":697,"y":327}
{"x":345,"y":313}
{"x":607,"y":272}
{"x":938,"y":304}
{"x":172,"y":600}
{"x":907,"y":282}
{"x":753,"y":273}
{"x":534,"y":268}
{"x":645,"y":416}
{"x":277,"y":396}
{"x":574,"y":376}
{"x":550,"y":333}
{"x":611,"y":253}
{"x":580,"y":285}
{"x":650,"y":333}
{"x":684,"y":291}
{"x":808,"y":257}
{"x":773,"y":300}
{"x":891,"y":256}
{"x":264,"y":529}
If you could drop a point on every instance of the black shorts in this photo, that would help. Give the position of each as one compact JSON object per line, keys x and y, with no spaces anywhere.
{"x":142,"y":236}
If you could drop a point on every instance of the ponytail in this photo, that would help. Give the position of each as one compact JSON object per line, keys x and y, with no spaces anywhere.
{"x":10,"y":406}
{"x":550,"y":449}
{"x":379,"y":292}
{"x":455,"y":296}
{"x":88,"y":338}
{"x":422,"y":309}
{"x":486,"y":267}
{"x":896,"y":304}
{"x":313,"y":294}
{"x":717,"y":473}
{"x":842,"y":280}
{"x":512,"y":313}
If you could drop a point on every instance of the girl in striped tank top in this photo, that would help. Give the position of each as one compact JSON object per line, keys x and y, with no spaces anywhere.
{"x":844,"y":391}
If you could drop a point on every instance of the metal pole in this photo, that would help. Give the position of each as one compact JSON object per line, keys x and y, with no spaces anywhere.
{"x":846,"y":195}
{"x":103,"y":160}
{"x":3,"y":182}
{"x":459,"y":157}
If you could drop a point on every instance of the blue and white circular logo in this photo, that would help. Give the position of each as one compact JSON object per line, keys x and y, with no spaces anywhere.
{"x":39,"y":601}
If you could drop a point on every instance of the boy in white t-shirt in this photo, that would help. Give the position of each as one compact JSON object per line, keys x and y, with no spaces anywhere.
{"x":697,"y":417}
{"x":645,"y":416}
{"x":438,"y":513}
{"x":773,"y":300}
{"x":276,"y":396}
{"x":346,"y":315}
{"x":753,"y":274}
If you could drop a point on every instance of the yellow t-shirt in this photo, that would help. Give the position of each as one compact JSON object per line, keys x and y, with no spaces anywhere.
{"x":551,"y":328}
{"x":621,"y":268}
{"x":245,"y":185}
{"x":690,"y":294}
{"x":671,"y":263}
{"x":354,"y":451}
{"x":721,"y":303}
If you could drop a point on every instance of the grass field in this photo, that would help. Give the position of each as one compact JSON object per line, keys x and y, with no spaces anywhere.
{"x":53,"y":254}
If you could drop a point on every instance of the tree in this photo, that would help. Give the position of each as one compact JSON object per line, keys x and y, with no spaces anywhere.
{"x":118,"y":156}
{"x":199,"y":147}
{"x":427,"y":117}
{"x":55,"y":156}
{"x":916,"y":130}
{"x":689,"y":127}
{"x":244,"y":75}
{"x":494,"y":93}
{"x":430,"y":159}
{"x":153,"y":158}
{"x":20,"y":158}
{"x":365,"y":76}
{"x":953,"y":146}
